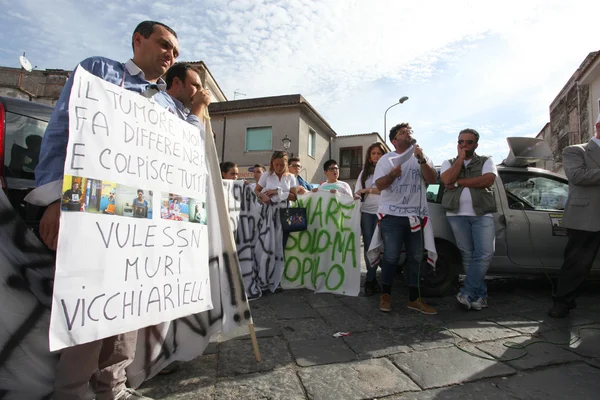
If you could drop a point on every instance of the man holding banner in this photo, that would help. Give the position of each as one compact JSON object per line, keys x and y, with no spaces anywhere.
{"x":155,"y":48}
{"x":403,"y":213}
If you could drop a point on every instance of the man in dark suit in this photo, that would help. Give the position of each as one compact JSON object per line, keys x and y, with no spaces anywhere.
{"x":582,"y":220}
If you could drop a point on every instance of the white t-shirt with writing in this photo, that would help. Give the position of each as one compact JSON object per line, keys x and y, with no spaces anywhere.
{"x":270,"y":180}
{"x":340,"y":186}
{"x":371,"y":203}
{"x":405,"y":197}
{"x":465,"y":203}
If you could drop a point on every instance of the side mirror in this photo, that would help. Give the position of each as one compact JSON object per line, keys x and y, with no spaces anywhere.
{"x":517,"y":206}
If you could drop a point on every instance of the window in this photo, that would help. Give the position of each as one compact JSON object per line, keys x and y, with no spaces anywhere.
{"x":22,"y":142}
{"x":258,"y":139}
{"x":312,"y":142}
{"x":433,"y":193}
{"x":535,"y":192}
{"x":350,"y":162}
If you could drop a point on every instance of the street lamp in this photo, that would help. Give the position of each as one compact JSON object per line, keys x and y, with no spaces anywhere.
{"x":385,"y":133}
{"x":287,"y":142}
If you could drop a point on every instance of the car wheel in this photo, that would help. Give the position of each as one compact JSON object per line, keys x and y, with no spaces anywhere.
{"x":444,"y":280}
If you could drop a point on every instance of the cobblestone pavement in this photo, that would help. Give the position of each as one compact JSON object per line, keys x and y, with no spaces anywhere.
{"x":403,"y":354}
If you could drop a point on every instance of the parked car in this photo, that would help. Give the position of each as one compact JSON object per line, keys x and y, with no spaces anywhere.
{"x":22,"y":127}
{"x":529,"y":237}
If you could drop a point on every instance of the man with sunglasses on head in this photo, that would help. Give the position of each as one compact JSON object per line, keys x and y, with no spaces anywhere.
{"x":398,"y":176}
{"x":469,"y":203}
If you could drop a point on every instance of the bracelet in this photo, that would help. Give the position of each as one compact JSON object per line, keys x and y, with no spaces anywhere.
{"x":422,"y":162}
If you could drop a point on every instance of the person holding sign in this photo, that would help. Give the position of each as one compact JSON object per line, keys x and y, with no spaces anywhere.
{"x":332,"y":184}
{"x":155,"y":48}
{"x":370,"y":197}
{"x":402,"y":209}
{"x":277,"y":186}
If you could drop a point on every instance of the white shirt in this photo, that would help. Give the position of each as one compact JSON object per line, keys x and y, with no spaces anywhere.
{"x":405,"y":197}
{"x":465,"y":203}
{"x":270,"y":180}
{"x":340,"y":186}
{"x":371,"y":203}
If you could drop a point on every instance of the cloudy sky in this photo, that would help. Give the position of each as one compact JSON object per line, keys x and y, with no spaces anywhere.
{"x":494,"y":66}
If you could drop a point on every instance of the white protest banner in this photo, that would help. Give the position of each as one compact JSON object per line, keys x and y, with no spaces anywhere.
{"x":326,"y":256}
{"x":133,"y":241}
{"x":257,"y":232}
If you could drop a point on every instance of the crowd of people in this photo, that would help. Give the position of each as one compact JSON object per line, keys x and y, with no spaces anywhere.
{"x":390,"y":188}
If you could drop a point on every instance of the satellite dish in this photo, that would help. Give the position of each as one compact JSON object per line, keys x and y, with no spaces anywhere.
{"x":25,"y":63}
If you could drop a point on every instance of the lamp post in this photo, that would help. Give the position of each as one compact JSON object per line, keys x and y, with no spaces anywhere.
{"x":287,"y":142}
{"x":400,"y":101}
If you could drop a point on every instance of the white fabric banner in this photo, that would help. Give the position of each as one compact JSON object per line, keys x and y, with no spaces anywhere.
{"x":133,"y":240}
{"x":258,"y":238}
{"x":326,"y":256}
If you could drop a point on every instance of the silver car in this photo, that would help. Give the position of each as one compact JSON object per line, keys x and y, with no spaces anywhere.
{"x":529,"y":236}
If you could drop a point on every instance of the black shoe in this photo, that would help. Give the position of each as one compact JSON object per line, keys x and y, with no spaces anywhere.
{"x":559,"y":310}
{"x":369,"y":288}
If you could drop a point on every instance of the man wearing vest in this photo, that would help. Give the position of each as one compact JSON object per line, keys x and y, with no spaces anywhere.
{"x":582,"y":220}
{"x":469,"y":203}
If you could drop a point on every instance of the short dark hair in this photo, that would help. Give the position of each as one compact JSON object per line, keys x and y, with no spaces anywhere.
{"x":140,"y":190}
{"x":178,"y":70}
{"x":472,"y":132}
{"x":259,"y":166}
{"x":328,"y":164}
{"x":291,"y":160}
{"x":146,"y":28}
{"x":227,"y":165}
{"x":395,"y":129}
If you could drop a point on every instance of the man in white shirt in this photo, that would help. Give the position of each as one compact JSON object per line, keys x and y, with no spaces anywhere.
{"x":403,"y":206}
{"x":469,"y":203}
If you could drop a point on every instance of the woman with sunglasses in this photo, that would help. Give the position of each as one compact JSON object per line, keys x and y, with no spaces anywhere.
{"x":370,"y":198}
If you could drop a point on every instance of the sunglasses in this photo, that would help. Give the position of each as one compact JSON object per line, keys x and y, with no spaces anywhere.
{"x":466,"y":141}
{"x":296,"y":165}
{"x":333,"y":169}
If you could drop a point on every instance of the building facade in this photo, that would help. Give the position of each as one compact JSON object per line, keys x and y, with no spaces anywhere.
{"x":41,"y":86}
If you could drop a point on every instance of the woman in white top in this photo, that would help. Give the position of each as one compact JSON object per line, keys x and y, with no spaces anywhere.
{"x":277,"y":186}
{"x":366,"y":189}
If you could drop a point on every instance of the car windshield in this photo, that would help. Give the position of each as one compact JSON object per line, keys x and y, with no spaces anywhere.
{"x":536,"y":192}
{"x":22,"y":142}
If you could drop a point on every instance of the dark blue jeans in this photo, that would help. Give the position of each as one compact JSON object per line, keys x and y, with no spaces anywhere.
{"x":368,"y":223}
{"x":396,"y":233}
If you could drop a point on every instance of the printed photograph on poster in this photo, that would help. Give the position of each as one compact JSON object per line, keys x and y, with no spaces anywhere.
{"x":101,"y":197}
{"x":73,"y":193}
{"x":197,"y":211}
{"x":174,"y":207}
{"x":134,"y":202}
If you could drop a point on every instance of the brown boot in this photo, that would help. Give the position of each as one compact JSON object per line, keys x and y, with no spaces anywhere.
{"x":385,"y":302}
{"x":421,"y":306}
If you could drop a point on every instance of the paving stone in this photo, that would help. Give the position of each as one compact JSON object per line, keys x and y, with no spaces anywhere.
{"x":286,"y":296}
{"x":353,"y":381}
{"x":267,"y":328}
{"x":344,"y":319}
{"x":304,"y":329}
{"x":294,"y":311}
{"x":194,"y":379}
{"x":542,"y":316}
{"x":481,"y":331}
{"x":536,"y":355}
{"x":321,"y":351}
{"x":511,"y":303}
{"x":459,"y":314}
{"x":394,"y":320}
{"x":521,"y":324}
{"x":448,"y":366}
{"x":364,"y":306}
{"x":281,"y":384}
{"x":468,"y":391}
{"x":594,"y":362}
{"x":590,"y":314}
{"x":424,"y":337}
{"x":318,"y":300}
{"x":376,"y":343}
{"x":237,"y":357}
{"x":577,"y":381}
{"x":588,"y":346}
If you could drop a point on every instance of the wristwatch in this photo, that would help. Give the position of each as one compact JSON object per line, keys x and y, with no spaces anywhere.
{"x":456,"y":184}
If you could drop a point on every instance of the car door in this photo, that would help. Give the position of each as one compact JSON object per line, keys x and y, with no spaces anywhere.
{"x":536,"y":203}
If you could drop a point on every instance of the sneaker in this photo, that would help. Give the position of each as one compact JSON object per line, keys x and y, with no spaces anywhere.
{"x":478,"y":304}
{"x":130,"y":394}
{"x":385,"y":302}
{"x":421,"y":306}
{"x":463,"y":299}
